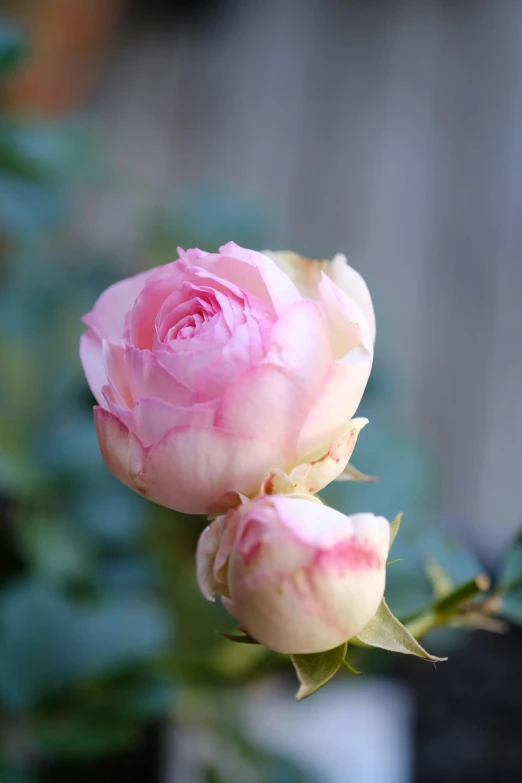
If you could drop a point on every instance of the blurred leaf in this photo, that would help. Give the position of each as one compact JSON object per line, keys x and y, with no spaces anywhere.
{"x":39,"y":644}
{"x":315,"y":670}
{"x":511,"y":607}
{"x":441,"y":581}
{"x":56,"y":153}
{"x":278,"y":769}
{"x":11,"y":773}
{"x":120,"y":632}
{"x":510,"y":570}
{"x":126,"y":575}
{"x":212,"y":775}
{"x":85,"y":733}
{"x":29,"y":209}
{"x":55,"y":550}
{"x":110,"y":513}
{"x":48,"y":642}
{"x":12,"y":46}
{"x":152,"y":698}
{"x":509,"y":583}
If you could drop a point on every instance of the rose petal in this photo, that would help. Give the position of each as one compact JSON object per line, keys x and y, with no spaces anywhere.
{"x":92,"y":361}
{"x":213,"y":550}
{"x":255,"y":273}
{"x":154,"y":418}
{"x":311,"y":477}
{"x":150,"y":377}
{"x":275,"y":396}
{"x":121,"y":450}
{"x":147,"y":306}
{"x":107,"y":318}
{"x":344,"y":321}
{"x":353,"y":284}
{"x":337,"y":404}
{"x":193,"y":467}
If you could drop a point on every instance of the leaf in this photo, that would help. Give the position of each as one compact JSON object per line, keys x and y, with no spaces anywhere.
{"x":510,"y":571}
{"x":351,"y":473}
{"x":241,"y":638}
{"x":49,"y":642}
{"x":509,"y":583}
{"x":385,"y":631}
{"x":85,"y":733}
{"x":315,"y":669}
{"x":394,"y":528}
{"x":11,"y":47}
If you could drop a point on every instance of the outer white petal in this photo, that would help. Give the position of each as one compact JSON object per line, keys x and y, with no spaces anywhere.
{"x":353,"y":284}
{"x":336,"y":404}
{"x":310,"y":477}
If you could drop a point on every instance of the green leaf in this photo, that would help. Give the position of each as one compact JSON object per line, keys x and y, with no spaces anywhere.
{"x":315,"y":669}
{"x":385,"y":631}
{"x":394,"y":528}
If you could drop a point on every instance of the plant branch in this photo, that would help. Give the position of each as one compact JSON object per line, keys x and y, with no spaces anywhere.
{"x":443,"y":609}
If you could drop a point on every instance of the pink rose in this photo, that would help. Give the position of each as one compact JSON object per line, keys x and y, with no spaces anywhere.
{"x":298,"y":576}
{"x":216,"y":369}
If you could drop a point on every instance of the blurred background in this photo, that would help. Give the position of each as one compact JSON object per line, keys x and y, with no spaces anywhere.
{"x":389,"y":130}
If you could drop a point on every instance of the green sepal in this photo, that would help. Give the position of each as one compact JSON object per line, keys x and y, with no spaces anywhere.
{"x":385,"y":631}
{"x":243,"y":638}
{"x":315,"y":669}
{"x":394,"y":528}
{"x":350,"y":668}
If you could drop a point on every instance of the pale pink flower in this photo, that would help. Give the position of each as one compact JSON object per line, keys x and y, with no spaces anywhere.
{"x":218,"y":368}
{"x":299,"y":577}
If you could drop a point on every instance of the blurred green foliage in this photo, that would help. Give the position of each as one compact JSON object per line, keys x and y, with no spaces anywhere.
{"x":101,"y":623}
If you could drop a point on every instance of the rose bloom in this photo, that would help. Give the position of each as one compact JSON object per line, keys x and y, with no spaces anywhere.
{"x":298,"y":576}
{"x":217,"y":368}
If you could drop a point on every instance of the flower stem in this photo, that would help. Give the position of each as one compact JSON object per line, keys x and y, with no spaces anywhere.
{"x":443,"y":609}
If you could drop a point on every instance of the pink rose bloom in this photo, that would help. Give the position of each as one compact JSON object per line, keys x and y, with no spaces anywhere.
{"x":218,"y":368}
{"x":298,"y":576}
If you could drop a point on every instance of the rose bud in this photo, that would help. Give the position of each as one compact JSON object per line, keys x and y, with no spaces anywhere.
{"x":299,"y":577}
{"x":217,"y":368}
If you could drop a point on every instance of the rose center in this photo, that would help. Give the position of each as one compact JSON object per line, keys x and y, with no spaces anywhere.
{"x":188,"y":327}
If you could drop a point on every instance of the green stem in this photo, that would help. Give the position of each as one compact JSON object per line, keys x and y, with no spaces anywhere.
{"x":443,"y":609}
{"x":463,"y":593}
